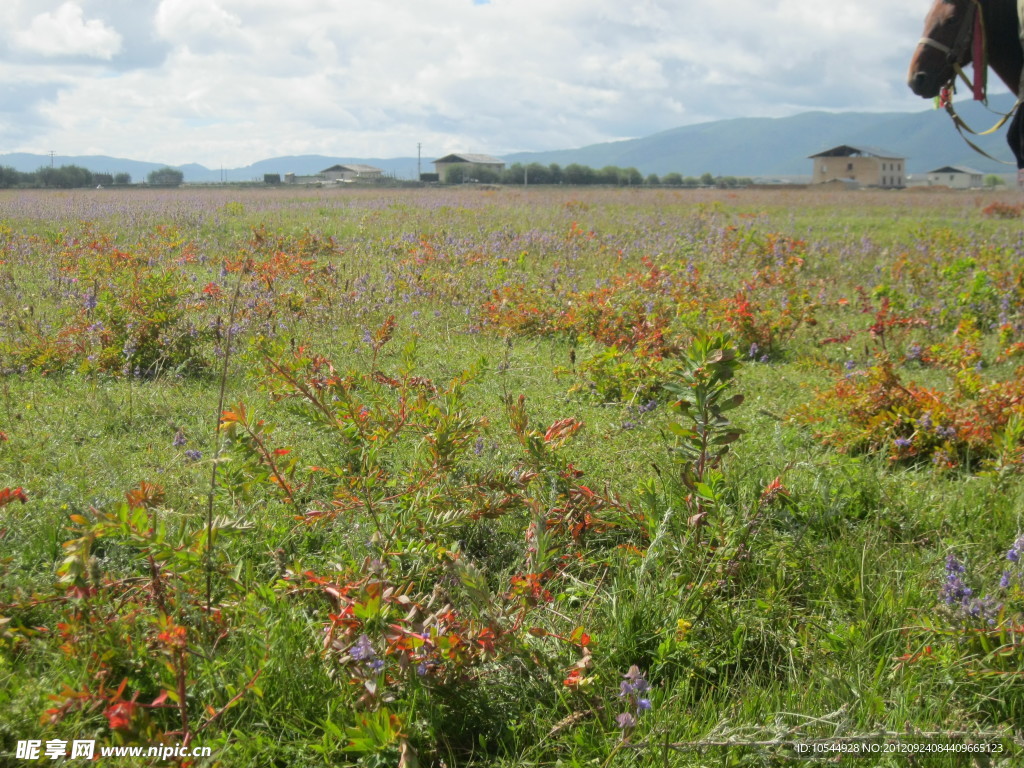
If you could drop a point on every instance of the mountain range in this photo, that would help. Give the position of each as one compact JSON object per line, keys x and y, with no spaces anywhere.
{"x":747,"y":146}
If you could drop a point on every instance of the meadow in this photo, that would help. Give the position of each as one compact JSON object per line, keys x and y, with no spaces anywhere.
{"x":513,"y":477}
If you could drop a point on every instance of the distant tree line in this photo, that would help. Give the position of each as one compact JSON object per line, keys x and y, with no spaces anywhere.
{"x":74,"y":176}
{"x":576,"y":174}
{"x":64,"y":177}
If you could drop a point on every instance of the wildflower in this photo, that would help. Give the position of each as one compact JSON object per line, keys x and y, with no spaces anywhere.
{"x":682,"y":628}
{"x":985,"y":609}
{"x":1015,"y":551}
{"x":1004,"y":580}
{"x":193,"y":455}
{"x":850,"y":365}
{"x":754,"y":349}
{"x":179,"y":439}
{"x":478,"y":446}
{"x":633,"y":682}
{"x":625,"y":720}
{"x":632,"y":689}
{"x":954,"y":591}
{"x":362,"y":650}
{"x":903,"y":442}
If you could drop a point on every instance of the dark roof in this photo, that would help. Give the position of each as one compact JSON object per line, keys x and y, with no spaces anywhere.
{"x":354,"y":167}
{"x":465,"y":157}
{"x":847,"y":150}
{"x":957,"y":169}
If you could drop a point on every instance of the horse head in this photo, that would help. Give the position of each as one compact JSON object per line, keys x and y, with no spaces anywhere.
{"x":945,"y":44}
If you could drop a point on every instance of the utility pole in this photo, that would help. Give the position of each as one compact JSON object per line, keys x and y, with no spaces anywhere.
{"x":419,"y":172}
{"x":51,"y":158}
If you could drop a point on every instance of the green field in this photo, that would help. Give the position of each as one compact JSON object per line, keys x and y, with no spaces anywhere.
{"x":513,"y":477}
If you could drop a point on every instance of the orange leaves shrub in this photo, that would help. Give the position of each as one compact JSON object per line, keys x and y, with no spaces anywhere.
{"x":874,"y":411}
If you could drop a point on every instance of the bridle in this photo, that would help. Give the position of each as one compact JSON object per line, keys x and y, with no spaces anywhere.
{"x":965,"y":36}
{"x":969,"y":36}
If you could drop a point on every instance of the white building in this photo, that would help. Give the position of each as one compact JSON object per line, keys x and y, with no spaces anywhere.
{"x":956,"y":177}
{"x":352,"y":172}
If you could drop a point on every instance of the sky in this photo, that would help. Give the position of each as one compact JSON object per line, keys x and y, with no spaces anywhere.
{"x":228,"y":82}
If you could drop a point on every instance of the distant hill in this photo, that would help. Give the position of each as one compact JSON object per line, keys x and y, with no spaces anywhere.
{"x":760,"y":146}
{"x":26,"y":163}
{"x":746,"y":146}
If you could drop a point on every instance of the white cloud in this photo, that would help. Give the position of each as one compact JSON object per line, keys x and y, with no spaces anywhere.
{"x":66,"y":32}
{"x":238,"y":80}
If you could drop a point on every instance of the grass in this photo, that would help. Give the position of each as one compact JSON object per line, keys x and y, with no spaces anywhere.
{"x":506,"y":567}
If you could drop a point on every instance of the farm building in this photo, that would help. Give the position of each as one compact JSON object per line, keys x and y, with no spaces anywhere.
{"x":292,"y":178}
{"x":336,"y":173}
{"x":467,"y":163}
{"x":956,"y":177}
{"x":352,"y":172}
{"x":867,"y":166}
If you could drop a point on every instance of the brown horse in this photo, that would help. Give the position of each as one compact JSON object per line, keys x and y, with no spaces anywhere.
{"x":949,"y":31}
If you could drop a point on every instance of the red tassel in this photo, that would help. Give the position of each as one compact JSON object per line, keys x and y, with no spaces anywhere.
{"x":978,"y":57}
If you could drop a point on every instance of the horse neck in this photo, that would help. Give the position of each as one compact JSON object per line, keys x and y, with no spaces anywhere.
{"x":1003,"y":44}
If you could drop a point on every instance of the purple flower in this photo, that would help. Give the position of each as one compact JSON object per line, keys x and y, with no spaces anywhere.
{"x":1015,"y":551}
{"x":362,"y":650}
{"x":179,"y":439}
{"x":625,"y":720}
{"x":903,"y":442}
{"x":193,"y":455}
{"x":954,"y":591}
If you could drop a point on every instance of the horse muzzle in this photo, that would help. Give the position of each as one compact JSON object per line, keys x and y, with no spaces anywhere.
{"x":925,"y":84}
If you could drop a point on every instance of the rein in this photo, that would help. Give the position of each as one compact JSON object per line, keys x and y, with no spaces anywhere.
{"x":970,"y":35}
